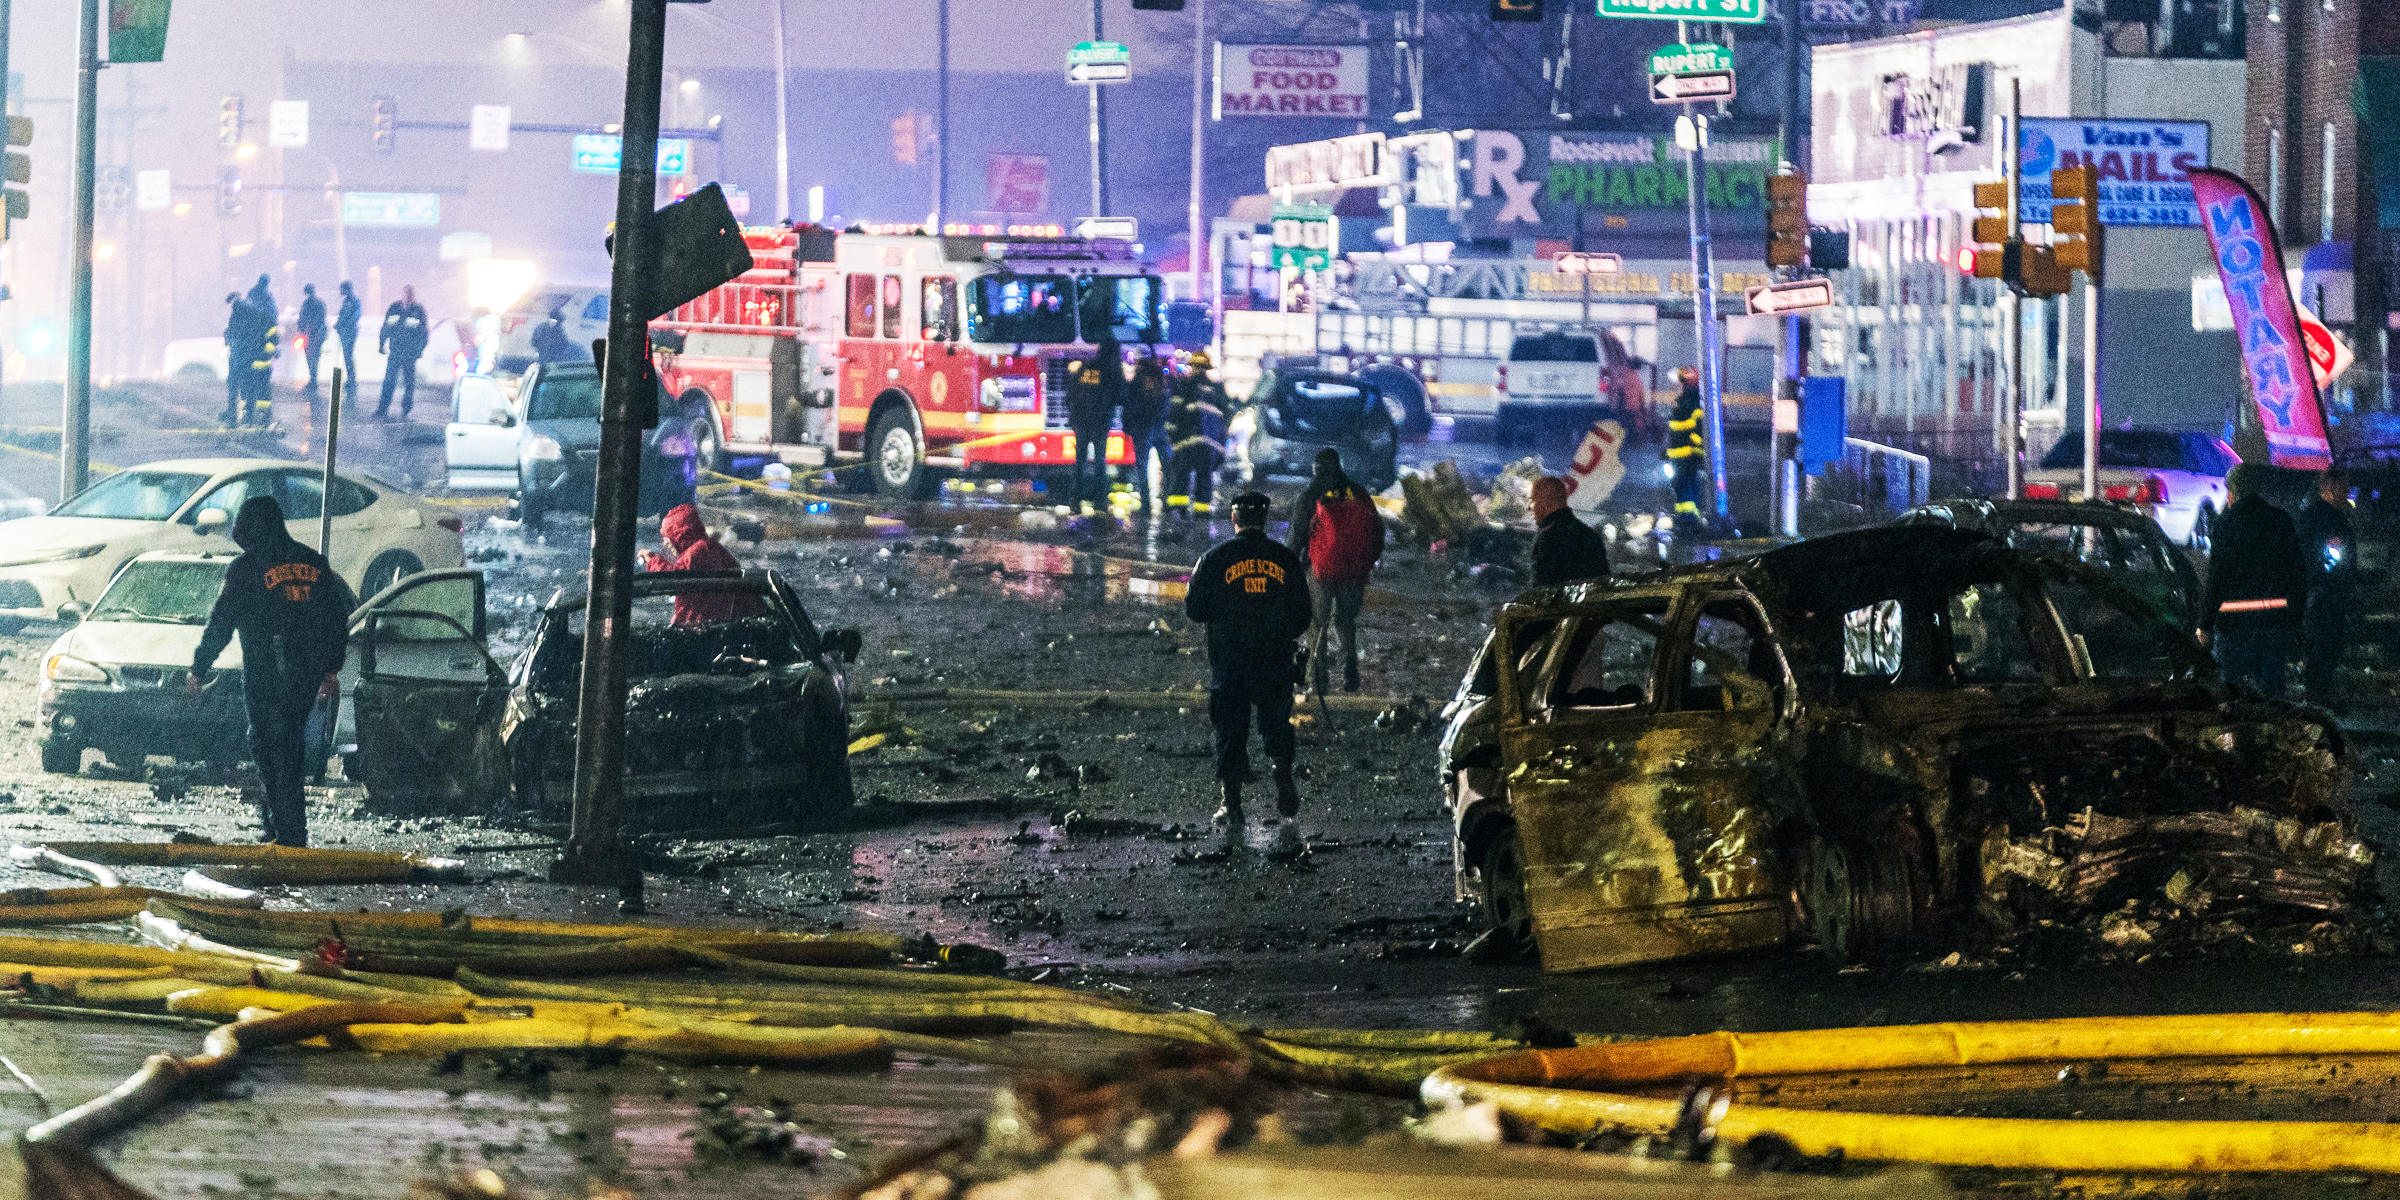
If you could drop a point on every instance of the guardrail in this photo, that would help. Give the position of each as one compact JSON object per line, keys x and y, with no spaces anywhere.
{"x":1898,"y":479}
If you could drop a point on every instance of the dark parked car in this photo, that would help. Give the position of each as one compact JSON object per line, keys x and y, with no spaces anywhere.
{"x":1293,"y":414}
{"x":558,"y":449}
{"x":1866,"y":740}
{"x":2114,"y":538}
{"x":736,"y":712}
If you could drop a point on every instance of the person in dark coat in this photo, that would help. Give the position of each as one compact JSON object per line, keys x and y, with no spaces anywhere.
{"x":311,"y":328}
{"x":1144,"y":417}
{"x":405,"y":332}
{"x":345,"y":327}
{"x":550,"y":341}
{"x":1252,"y":595}
{"x":1196,"y":438}
{"x":238,"y":320}
{"x":2328,"y":545}
{"x":1564,"y":548}
{"x":1095,"y":387}
{"x":292,"y":612}
{"x":2257,"y":585}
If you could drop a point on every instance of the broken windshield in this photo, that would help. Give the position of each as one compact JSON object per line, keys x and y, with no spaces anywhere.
{"x":1021,"y":308}
{"x":172,"y":593}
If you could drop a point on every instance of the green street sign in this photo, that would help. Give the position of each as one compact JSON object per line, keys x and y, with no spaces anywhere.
{"x":1742,"y":12}
{"x":1099,"y":52}
{"x":1303,"y":236}
{"x":137,"y":30}
{"x":1682,"y":59}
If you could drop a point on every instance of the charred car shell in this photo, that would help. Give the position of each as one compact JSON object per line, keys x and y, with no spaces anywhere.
{"x":1868,"y":740}
{"x":736,"y":706}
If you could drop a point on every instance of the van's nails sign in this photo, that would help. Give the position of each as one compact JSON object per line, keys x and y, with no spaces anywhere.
{"x":2250,"y":262}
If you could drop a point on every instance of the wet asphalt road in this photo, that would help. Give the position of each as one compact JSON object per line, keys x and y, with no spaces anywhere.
{"x":1360,"y":931}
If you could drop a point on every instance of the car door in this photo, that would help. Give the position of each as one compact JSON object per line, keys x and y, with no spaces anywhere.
{"x":1601,"y":867}
{"x":428,"y":697}
{"x":480,"y":442}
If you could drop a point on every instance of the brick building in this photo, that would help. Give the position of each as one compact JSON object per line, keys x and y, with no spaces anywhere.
{"x":2321,"y":73}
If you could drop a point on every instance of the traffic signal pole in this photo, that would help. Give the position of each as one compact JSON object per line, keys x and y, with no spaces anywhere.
{"x":592,"y":854}
{"x":2011,"y":435}
{"x":74,"y":439}
{"x":1099,"y":135}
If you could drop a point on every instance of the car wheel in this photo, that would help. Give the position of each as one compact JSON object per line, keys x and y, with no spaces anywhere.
{"x":389,"y":568}
{"x":1827,"y":901}
{"x":895,"y":459}
{"x":2204,"y":529}
{"x":1505,"y":911}
{"x":62,"y":758}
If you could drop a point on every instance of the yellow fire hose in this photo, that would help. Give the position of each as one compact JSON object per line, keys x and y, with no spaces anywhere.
{"x":254,"y":865}
{"x":1602,"y":1086}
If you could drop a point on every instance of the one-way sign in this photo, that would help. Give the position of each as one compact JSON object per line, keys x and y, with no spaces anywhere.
{"x":1790,"y":297}
{"x":1698,"y":85}
{"x":1099,"y":72}
{"x":1099,"y":62}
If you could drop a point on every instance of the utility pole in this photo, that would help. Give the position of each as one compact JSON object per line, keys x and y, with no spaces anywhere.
{"x":941,"y":116}
{"x":1692,"y":128}
{"x":592,"y":854}
{"x":1199,"y":235}
{"x":783,"y":107}
{"x":1099,"y":134}
{"x":2012,"y":162}
{"x":4,"y":114}
{"x":74,"y":439}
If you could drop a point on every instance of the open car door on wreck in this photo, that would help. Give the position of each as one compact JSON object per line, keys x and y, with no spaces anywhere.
{"x":429,"y":697}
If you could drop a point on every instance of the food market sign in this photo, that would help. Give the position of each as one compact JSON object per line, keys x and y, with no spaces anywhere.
{"x":1745,"y":12}
{"x":2145,"y":167}
{"x":1291,"y":81}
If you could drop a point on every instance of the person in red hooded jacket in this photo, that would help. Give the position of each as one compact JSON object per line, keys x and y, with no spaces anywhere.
{"x":695,"y":550}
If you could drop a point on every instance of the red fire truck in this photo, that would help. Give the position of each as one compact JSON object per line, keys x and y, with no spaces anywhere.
{"x":914,"y":353}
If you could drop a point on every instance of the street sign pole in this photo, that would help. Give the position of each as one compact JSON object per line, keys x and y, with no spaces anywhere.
{"x":74,"y":439}
{"x":1099,"y":133}
{"x":1704,"y":298}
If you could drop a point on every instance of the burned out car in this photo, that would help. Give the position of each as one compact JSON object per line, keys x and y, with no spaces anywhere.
{"x":736,"y":709}
{"x":1891,"y":737}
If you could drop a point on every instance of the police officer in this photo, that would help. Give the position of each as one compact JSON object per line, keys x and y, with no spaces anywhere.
{"x":238,"y":320}
{"x":402,"y":339}
{"x":311,"y":328}
{"x":1252,"y":594}
{"x":1095,"y":388}
{"x":1687,"y":444}
{"x":345,"y":327}
{"x":292,"y":612}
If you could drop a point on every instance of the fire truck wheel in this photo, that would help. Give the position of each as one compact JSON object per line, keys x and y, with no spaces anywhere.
{"x":708,"y":450}
{"x":895,"y":460}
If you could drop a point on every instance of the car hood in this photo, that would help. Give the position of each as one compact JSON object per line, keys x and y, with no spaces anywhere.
{"x":30,"y":536}
{"x":144,"y":643}
{"x":571,"y":433}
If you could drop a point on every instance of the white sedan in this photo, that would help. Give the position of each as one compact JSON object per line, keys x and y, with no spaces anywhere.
{"x":2175,"y":478}
{"x":380,"y":533}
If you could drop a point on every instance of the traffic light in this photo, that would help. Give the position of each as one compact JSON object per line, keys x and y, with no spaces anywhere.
{"x":2039,"y":273}
{"x":1516,"y":10}
{"x":384,"y":125}
{"x":229,"y":122}
{"x":2075,"y":216}
{"x":1787,"y":220}
{"x":15,"y":202}
{"x":229,"y":191}
{"x":1995,"y":254}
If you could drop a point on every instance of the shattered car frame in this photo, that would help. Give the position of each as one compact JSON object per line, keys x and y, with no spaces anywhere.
{"x":1870,"y":740}
{"x":736,"y":711}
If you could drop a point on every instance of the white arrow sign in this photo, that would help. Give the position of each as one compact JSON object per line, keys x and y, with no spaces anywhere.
{"x":1116,"y":72}
{"x":1682,"y":89}
{"x":1791,"y":297}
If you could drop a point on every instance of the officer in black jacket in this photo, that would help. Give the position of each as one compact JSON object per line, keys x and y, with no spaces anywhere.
{"x":1564,"y":548}
{"x":2329,"y":547}
{"x":292,"y":611}
{"x":1252,"y":594}
{"x":2257,"y":585}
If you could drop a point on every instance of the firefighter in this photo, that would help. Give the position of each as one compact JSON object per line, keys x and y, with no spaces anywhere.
{"x":237,"y":358}
{"x":1095,"y":387}
{"x":1195,"y":438}
{"x":1252,"y":595}
{"x":292,"y":611}
{"x":1687,"y":444}
{"x":1337,"y":531}
{"x":2257,"y":585}
{"x":402,"y":339}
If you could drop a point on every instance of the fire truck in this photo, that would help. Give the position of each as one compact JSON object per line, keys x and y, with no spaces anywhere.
{"x":902,"y":352}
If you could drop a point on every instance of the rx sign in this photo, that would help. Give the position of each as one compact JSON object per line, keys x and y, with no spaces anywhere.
{"x":1303,"y":236}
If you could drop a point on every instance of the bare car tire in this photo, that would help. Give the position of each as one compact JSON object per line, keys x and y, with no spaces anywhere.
{"x":1827,"y":900}
{"x":1505,"y":911}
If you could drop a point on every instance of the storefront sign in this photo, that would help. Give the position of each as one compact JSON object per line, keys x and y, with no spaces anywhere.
{"x":1291,"y":81}
{"x":1017,"y":184}
{"x":2145,"y":167}
{"x":2274,"y":357}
